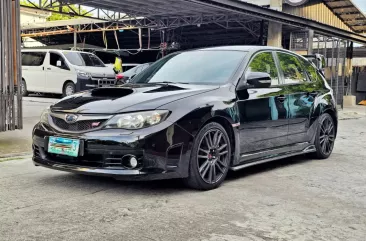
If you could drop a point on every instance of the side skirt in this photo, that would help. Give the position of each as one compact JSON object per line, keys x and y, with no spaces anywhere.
{"x":308,"y":149}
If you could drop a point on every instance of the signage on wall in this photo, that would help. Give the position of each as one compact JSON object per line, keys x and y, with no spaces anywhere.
{"x":296,"y":2}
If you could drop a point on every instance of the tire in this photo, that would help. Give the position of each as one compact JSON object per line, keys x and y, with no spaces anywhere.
{"x":69,"y":89}
{"x":208,"y":167}
{"x":23,"y":88}
{"x":325,"y":137}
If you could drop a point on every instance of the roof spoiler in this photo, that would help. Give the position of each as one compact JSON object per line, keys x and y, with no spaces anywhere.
{"x":318,"y":60}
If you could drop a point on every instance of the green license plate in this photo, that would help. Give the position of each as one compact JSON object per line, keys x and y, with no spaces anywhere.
{"x":63,"y":146}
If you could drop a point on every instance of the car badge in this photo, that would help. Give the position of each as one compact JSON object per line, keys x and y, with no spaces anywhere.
{"x":71,"y":118}
{"x":95,"y":124}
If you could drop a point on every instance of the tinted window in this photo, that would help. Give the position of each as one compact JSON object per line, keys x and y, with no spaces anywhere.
{"x":33,"y":58}
{"x":265,"y":63}
{"x":310,"y":69}
{"x":54,"y":57}
{"x":199,"y":67}
{"x":291,"y":68}
{"x":83,"y":59}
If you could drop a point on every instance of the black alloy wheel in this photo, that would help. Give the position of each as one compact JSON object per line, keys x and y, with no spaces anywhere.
{"x":326,"y":136}
{"x":210,"y":158}
{"x":23,"y":88}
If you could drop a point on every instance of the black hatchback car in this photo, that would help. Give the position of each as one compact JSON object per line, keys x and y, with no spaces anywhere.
{"x":193,"y":115}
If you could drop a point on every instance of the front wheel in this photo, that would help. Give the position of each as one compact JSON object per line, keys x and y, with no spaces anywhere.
{"x":210,"y":158}
{"x":325,"y":137}
{"x":69,"y":89}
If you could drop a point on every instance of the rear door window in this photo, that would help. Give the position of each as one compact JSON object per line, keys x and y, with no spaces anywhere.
{"x":33,"y":58}
{"x":292,"y":69}
{"x":310,"y":69}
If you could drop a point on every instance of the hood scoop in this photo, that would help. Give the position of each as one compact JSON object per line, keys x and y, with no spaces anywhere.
{"x":165,"y":88}
{"x":111,"y":92}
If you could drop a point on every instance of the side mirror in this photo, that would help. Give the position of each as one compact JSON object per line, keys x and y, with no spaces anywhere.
{"x":58,"y":63}
{"x":259,"y":80}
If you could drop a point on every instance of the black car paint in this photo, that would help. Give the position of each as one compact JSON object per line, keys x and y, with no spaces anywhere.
{"x":165,"y":149}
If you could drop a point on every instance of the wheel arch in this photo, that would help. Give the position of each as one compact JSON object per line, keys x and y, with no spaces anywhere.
{"x":333,"y":114}
{"x":232,"y":133}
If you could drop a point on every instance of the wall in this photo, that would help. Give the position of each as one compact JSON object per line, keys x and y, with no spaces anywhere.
{"x":316,"y":10}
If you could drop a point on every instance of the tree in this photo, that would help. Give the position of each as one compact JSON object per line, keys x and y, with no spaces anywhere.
{"x":58,"y":16}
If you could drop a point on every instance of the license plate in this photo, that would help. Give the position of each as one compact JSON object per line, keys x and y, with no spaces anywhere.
{"x":63,"y":146}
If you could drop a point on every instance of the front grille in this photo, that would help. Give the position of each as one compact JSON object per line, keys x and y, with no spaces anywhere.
{"x":104,"y":81}
{"x":86,"y":161}
{"x":83,"y":125}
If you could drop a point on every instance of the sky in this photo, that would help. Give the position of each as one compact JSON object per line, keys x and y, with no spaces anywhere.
{"x":361,"y":4}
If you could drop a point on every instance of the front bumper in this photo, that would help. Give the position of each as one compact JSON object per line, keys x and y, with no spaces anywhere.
{"x":163,"y":152}
{"x":92,"y":83}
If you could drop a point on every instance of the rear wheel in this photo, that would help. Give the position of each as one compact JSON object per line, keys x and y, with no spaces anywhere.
{"x":210,"y":158}
{"x":325,"y":138}
{"x":23,"y":88}
{"x":69,"y":89}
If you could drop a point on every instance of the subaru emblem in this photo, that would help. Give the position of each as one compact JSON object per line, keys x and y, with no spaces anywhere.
{"x":71,"y":118}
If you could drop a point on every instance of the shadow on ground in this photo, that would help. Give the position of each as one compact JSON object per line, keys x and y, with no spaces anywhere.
{"x":159,"y":186}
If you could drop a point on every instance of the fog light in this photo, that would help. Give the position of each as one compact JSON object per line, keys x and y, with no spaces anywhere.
{"x":133,"y":162}
{"x":129,"y":161}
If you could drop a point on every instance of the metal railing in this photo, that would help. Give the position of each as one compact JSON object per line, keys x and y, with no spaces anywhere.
{"x":10,"y":66}
{"x":334,"y":51}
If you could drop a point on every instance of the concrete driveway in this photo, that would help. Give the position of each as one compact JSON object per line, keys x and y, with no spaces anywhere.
{"x":20,"y":141}
{"x":292,"y":199}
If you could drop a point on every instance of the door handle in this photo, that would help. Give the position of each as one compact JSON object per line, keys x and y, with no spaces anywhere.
{"x":48,"y":68}
{"x":281,"y":98}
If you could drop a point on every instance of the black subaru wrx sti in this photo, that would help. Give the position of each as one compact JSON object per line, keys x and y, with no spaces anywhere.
{"x":193,"y":115}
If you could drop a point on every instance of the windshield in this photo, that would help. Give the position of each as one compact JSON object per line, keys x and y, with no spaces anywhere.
{"x":83,"y":59}
{"x":194,"y":67}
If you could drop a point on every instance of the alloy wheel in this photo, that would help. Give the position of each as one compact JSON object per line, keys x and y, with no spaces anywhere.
{"x":327,"y":136}
{"x":212,"y":156}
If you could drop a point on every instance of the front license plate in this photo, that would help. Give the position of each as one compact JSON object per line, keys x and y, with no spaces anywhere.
{"x":63,"y":146}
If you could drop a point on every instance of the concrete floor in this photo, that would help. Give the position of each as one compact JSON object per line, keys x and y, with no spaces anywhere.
{"x":291,"y":199}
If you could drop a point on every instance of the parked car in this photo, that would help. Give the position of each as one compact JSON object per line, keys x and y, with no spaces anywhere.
{"x":125,"y":67}
{"x":62,"y":72}
{"x":193,"y":115}
{"x":122,"y":78}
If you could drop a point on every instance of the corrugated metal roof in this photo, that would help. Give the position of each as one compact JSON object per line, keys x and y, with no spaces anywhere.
{"x":349,"y":13}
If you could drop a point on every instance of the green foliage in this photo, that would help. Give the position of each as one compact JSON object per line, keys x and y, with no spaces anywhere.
{"x":58,"y":16}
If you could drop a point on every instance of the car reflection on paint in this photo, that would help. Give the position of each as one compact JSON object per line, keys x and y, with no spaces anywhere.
{"x":194,"y":115}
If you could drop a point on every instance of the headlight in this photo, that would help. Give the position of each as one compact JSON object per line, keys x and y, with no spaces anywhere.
{"x":137,"y":120}
{"x":83,"y":74}
{"x":44,"y":116}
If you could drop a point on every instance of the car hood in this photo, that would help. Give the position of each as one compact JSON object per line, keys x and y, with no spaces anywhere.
{"x":126,"y":98}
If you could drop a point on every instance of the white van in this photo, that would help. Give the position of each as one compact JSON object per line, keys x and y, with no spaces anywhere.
{"x":63,"y":72}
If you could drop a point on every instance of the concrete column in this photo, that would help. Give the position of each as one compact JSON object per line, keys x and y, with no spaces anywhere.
{"x":75,"y":37}
{"x":274,"y":28}
{"x":310,"y":41}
